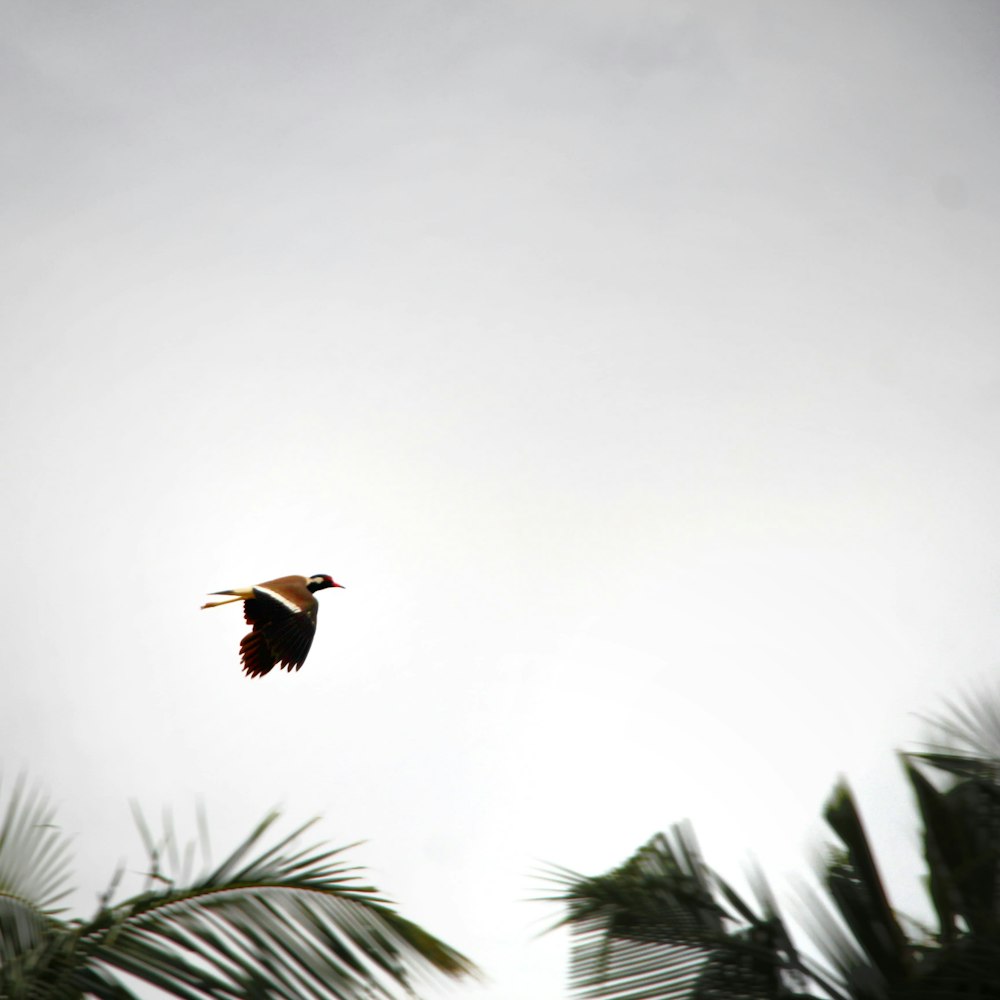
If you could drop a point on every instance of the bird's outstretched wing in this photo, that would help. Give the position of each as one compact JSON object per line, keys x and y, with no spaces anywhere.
{"x":280,"y":634}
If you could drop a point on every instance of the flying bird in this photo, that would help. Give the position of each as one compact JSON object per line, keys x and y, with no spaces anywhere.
{"x":283,"y":615}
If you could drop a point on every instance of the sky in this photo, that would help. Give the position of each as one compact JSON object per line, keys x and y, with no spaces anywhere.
{"x":633,"y":365}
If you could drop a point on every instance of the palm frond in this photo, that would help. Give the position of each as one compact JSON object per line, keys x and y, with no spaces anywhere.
{"x":272,"y":920}
{"x":664,"y":925}
{"x":34,"y":857}
{"x":34,"y":853}
{"x":856,"y":887}
{"x":965,"y":737}
{"x":642,"y":929}
{"x":663,"y":892}
{"x":874,"y":957}
{"x":851,"y":973}
{"x":961,"y":819}
{"x":278,"y":920}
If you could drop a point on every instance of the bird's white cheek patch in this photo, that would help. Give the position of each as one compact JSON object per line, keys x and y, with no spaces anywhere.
{"x":291,"y":605}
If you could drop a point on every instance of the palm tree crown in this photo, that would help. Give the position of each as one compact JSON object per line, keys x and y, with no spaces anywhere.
{"x":664,"y":925}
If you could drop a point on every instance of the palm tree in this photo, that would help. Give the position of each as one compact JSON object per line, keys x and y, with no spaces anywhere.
{"x":282,"y":921}
{"x":664,"y":925}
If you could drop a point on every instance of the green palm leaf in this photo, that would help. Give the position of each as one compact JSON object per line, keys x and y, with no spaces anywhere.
{"x":663,"y":925}
{"x":34,"y":858}
{"x":271,"y":920}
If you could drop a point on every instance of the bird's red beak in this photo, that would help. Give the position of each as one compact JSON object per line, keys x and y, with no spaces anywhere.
{"x":342,"y":587}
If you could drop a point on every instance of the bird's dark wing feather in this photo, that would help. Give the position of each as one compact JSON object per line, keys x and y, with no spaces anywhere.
{"x":255,"y":654}
{"x":279,"y":636}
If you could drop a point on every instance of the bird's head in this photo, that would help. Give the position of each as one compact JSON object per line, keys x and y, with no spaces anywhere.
{"x":321,"y":581}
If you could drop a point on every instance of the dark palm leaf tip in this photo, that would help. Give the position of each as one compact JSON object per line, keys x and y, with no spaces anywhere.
{"x":960,"y":814}
{"x":875,"y":954}
{"x":961,"y":851}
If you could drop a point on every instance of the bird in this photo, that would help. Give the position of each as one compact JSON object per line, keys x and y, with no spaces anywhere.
{"x":283,"y":615}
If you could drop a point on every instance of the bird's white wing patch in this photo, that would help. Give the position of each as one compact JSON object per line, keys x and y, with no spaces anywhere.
{"x":291,"y":605}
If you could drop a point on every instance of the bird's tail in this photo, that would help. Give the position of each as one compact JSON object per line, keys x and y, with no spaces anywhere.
{"x":225,"y":599}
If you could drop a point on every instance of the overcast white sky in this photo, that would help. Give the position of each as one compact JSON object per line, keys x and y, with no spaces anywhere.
{"x":634,"y":365}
